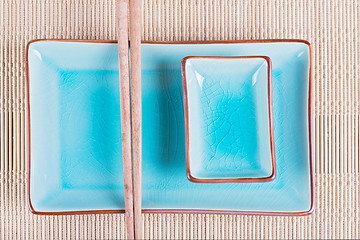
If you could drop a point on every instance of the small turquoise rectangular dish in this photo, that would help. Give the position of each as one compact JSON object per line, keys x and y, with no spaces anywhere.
{"x":228,"y":119}
{"x":74,"y":147}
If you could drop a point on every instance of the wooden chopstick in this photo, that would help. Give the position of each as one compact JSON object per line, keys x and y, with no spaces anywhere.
{"x":124,"y":86}
{"x":135,"y":56}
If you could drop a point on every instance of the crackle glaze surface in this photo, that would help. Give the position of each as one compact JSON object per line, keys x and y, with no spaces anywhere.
{"x":228,"y":106}
{"x":75,"y":129}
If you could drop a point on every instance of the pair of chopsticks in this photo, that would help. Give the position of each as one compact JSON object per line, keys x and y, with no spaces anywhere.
{"x":130,"y":111}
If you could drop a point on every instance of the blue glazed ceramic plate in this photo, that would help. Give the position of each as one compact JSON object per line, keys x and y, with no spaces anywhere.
{"x":229,"y":133}
{"x":75,"y":153}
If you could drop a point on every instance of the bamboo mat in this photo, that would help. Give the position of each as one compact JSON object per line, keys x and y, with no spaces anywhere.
{"x":331,"y":26}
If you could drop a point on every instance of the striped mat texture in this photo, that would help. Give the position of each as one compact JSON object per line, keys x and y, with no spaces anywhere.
{"x":332,"y":27}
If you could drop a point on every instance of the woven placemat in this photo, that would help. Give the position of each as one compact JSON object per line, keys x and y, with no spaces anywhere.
{"x":332,"y":27}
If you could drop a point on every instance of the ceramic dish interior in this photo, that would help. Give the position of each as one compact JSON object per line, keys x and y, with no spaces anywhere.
{"x":228,"y":119}
{"x":75,"y":124}
{"x":74,"y":150}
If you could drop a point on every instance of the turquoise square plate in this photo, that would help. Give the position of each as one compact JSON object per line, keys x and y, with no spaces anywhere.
{"x":229,"y":133}
{"x":74,"y":130}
